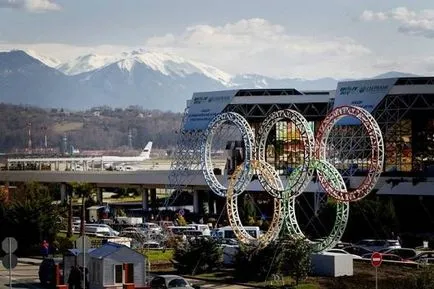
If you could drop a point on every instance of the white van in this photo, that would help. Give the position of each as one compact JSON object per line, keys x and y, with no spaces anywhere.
{"x":97,"y":231}
{"x":151,"y":227}
{"x":179,"y":230}
{"x":228,"y":233}
{"x":103,"y":227}
{"x":202,"y":228}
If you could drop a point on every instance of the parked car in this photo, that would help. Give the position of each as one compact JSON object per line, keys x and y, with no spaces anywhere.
{"x":377,"y":245}
{"x":341,"y":245}
{"x":357,"y":250}
{"x":342,"y":251}
{"x":424,"y":257}
{"x":390,"y":257}
{"x":171,"y":281}
{"x":404,"y":253}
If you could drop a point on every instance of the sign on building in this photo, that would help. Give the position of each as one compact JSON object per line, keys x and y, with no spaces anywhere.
{"x":362,"y":93}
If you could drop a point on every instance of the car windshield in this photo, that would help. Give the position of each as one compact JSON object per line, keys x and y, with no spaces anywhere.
{"x":177,"y":283}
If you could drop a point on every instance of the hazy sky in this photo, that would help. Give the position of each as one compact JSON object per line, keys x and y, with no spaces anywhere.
{"x":283,"y":38}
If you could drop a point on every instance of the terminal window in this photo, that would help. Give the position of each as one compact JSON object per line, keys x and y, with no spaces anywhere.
{"x":423,"y":144}
{"x":398,"y":144}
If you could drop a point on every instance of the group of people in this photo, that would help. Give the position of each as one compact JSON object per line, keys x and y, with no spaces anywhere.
{"x":75,"y":279}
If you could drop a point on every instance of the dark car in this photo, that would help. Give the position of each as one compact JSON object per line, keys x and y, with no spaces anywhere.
{"x":47,"y":272}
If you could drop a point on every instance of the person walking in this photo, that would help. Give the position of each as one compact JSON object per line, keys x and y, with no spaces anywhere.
{"x":74,"y":281}
{"x":45,"y":249}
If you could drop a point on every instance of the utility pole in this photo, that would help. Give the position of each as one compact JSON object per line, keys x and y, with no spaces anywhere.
{"x":130,"y":139}
{"x":44,"y":129}
{"x":65,"y":144}
{"x":29,"y":130}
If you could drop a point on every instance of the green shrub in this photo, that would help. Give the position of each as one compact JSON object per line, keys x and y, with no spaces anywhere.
{"x":284,"y":256}
{"x":425,"y":278}
{"x":253,"y":264}
{"x":63,"y":244}
{"x":199,"y":255}
{"x":295,"y":260}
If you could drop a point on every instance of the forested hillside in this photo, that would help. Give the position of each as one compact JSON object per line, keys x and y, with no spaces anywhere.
{"x":97,"y":128}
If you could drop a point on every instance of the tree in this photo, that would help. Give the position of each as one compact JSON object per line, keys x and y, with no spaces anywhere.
{"x":295,"y":260}
{"x":85,"y":191}
{"x":256,"y":264}
{"x":424,"y":279}
{"x":181,"y":220}
{"x":249,"y":210}
{"x":30,"y":217}
{"x":198,"y":255}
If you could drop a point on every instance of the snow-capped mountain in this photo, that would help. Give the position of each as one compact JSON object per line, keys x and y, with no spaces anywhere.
{"x":167,"y":64}
{"x":158,"y":80}
{"x":86,"y":63}
{"x":49,"y":61}
{"x":153,"y":80}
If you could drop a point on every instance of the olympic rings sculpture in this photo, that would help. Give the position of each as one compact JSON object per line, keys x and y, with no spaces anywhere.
{"x":314,"y":160}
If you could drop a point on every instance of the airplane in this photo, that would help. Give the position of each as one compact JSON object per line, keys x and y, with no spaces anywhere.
{"x":119,"y":163}
{"x":108,"y":162}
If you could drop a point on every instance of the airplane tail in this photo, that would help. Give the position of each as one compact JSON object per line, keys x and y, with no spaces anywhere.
{"x":147,"y":151}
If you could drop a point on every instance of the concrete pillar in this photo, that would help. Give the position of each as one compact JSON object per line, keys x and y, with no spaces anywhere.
{"x":205,"y":196}
{"x":8,"y":193}
{"x":99,"y":196}
{"x":212,"y":206}
{"x":145,"y":199}
{"x":63,"y":192}
{"x":196,"y":208}
{"x":154,"y":198}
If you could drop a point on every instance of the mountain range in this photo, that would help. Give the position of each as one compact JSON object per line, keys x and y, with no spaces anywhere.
{"x":149,"y":79}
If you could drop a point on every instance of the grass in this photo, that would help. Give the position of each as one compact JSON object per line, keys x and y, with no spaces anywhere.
{"x":158,"y":255}
{"x":75,"y":236}
{"x":307,"y":286}
{"x":67,"y":126}
{"x":63,"y":235}
{"x":390,"y":276}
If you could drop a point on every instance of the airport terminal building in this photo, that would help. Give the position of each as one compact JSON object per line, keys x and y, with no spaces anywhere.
{"x":403,"y":108}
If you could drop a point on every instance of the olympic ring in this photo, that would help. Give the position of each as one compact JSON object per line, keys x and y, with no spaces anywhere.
{"x":342,"y":209}
{"x":240,"y":232}
{"x":377,"y":151}
{"x":298,"y":185}
{"x":248,"y":138}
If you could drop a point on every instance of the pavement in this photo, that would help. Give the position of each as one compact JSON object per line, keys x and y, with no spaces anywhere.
{"x":30,"y":261}
{"x":25,"y":275}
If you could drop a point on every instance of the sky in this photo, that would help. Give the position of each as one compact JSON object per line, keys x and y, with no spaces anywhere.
{"x":277,"y":38}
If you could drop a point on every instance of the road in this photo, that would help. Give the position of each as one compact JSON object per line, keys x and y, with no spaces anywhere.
{"x":23,"y":276}
{"x":26,"y":276}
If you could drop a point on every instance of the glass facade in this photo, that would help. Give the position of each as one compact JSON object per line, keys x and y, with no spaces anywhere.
{"x":423,"y":145}
{"x":288,"y":150}
{"x":398,"y":146}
